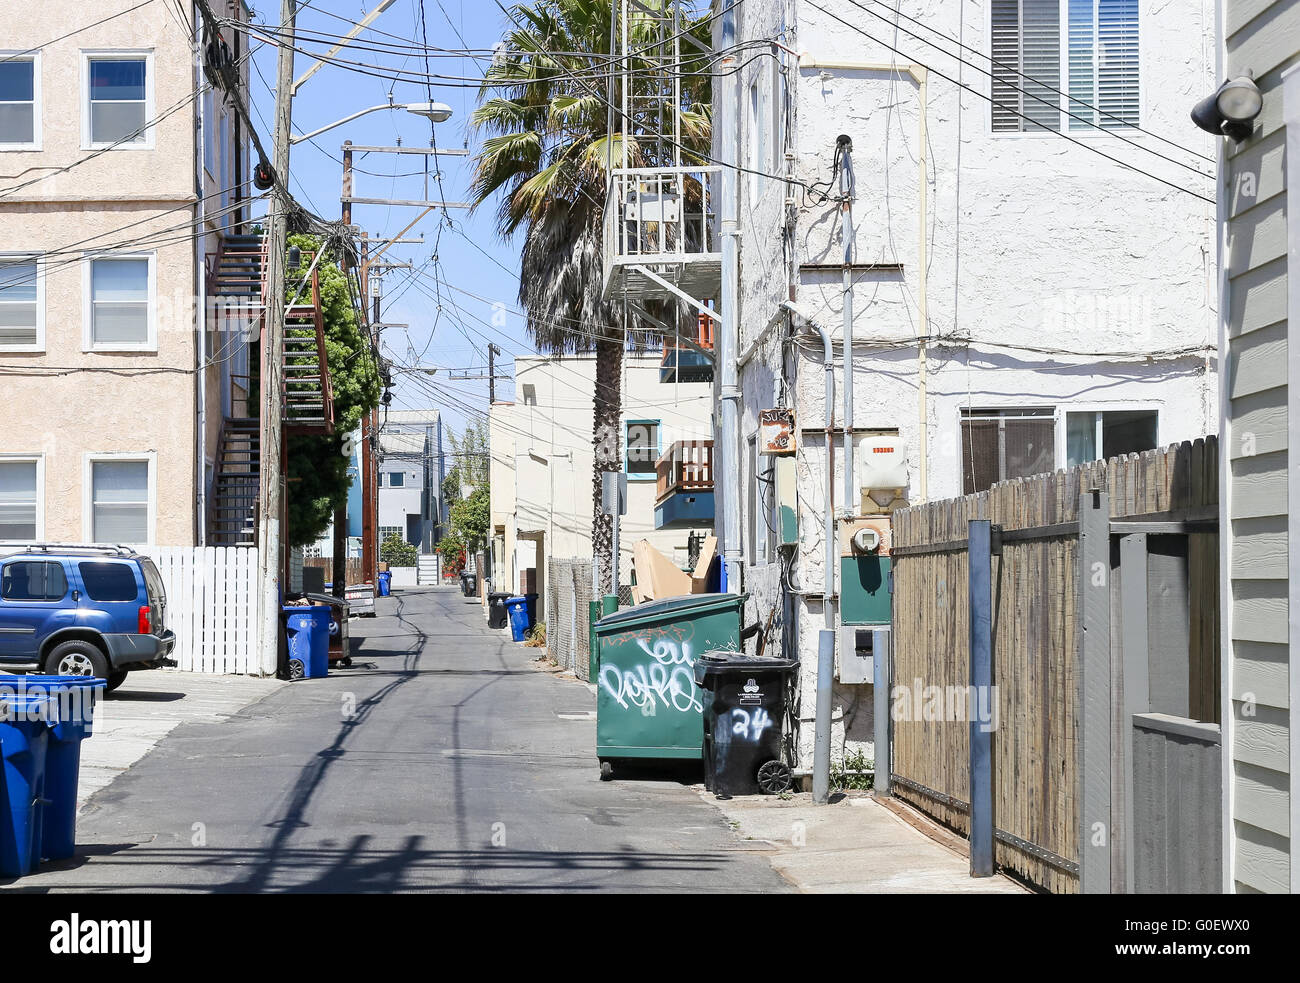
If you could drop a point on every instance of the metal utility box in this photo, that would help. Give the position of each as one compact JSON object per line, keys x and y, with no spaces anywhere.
{"x":865,"y":589}
{"x":647,"y":702}
{"x":855,"y":660}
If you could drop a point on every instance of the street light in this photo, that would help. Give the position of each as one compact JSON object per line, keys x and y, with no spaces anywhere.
{"x":435,"y":112}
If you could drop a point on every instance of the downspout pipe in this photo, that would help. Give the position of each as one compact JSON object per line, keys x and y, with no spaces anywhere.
{"x":727,"y":476}
{"x":844,"y":155}
{"x":200,"y":302}
{"x":826,"y":637}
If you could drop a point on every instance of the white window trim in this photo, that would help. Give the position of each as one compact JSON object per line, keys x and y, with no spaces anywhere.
{"x":117,"y":54}
{"x":89,"y":459}
{"x":1086,"y":133}
{"x":1122,"y":406}
{"x":35,"y":58}
{"x":39,"y":460}
{"x":39,"y":345}
{"x":150,"y":344}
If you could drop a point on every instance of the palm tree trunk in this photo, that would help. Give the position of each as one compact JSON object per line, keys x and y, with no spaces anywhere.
{"x":608,"y":446}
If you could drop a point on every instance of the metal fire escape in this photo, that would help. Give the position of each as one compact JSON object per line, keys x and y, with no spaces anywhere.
{"x":661,"y":237}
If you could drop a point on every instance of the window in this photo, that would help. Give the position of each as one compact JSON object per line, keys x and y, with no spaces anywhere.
{"x":386,"y":531}
{"x":119,"y":315}
{"x":119,"y":501}
{"x":642,"y":448}
{"x":209,"y":133}
{"x":1094,"y":434}
{"x":20,"y":502}
{"x":998,"y":445}
{"x":38,"y":580}
{"x":20,"y":114}
{"x":1087,"y":49}
{"x":118,"y":100}
{"x":396,"y":479}
{"x":108,"y":581}
{"x":22,"y":303}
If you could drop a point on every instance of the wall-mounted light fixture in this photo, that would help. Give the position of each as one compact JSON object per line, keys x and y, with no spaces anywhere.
{"x":1231,"y":111}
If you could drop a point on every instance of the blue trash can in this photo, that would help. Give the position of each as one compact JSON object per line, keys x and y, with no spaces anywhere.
{"x":73,"y":700}
{"x":520,"y":617}
{"x":385,"y":583}
{"x":309,"y":641}
{"x":24,"y":742}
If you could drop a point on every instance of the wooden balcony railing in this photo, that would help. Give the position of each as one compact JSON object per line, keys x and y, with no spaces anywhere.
{"x":685,"y":466}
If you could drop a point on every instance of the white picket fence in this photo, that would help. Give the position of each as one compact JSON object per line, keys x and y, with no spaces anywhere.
{"x":211,"y":606}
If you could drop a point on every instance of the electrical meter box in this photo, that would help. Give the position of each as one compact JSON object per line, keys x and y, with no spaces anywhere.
{"x":865,"y":570}
{"x":787,"y":505}
{"x":882,"y":466}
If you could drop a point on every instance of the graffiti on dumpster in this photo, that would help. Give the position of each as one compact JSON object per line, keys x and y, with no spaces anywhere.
{"x":750,"y":726}
{"x":667,"y":679}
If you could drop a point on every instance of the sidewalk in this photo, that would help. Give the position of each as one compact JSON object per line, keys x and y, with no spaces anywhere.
{"x":854,"y":846}
{"x":131,"y":721}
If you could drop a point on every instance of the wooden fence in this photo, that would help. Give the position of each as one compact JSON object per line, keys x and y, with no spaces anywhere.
{"x":1037,"y":644}
{"x":211,"y":606}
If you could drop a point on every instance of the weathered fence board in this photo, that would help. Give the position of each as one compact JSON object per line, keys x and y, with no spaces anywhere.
{"x":1036,"y":631}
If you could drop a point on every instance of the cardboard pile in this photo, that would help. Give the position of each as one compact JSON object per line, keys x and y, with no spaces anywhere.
{"x":657,"y":576}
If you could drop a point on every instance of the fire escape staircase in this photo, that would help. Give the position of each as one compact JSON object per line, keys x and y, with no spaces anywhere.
{"x":307,"y":400}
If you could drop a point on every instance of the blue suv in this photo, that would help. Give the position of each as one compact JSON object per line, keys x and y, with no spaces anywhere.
{"x":82,"y":611}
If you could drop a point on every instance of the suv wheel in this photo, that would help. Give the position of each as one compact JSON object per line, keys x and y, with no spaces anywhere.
{"x":77,"y":658}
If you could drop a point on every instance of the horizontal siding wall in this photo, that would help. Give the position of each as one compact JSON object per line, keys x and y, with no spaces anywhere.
{"x":1261,"y":38}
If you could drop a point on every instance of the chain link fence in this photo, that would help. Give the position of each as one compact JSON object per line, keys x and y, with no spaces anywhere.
{"x":568,"y":615}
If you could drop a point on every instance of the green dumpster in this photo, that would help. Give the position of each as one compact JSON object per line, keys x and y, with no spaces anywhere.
{"x":647,"y":703}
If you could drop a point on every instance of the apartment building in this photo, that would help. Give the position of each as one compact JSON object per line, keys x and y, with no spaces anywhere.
{"x":123,"y":180}
{"x":543,"y":474}
{"x":411,"y":472}
{"x":1019,"y":302}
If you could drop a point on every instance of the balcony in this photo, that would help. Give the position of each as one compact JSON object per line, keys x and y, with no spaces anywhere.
{"x":684,"y":485}
{"x":660,"y":235}
{"x":689,"y":360}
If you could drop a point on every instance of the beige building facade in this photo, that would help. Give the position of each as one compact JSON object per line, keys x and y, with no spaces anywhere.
{"x":543,"y":464}
{"x":120,"y":171}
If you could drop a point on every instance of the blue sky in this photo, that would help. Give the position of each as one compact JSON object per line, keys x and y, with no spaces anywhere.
{"x":458,"y":338}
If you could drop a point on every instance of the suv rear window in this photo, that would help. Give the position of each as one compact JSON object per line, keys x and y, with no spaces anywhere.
{"x":38,"y":580}
{"x":109,"y":581}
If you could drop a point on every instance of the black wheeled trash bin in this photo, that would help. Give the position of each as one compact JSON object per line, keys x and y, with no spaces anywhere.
{"x":744,"y":722}
{"x":498,"y":616}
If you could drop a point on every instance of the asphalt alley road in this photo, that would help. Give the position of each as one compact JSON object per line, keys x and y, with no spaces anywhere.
{"x":443,"y":760}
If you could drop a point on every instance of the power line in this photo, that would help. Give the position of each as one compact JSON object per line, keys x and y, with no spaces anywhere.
{"x":64,"y":37}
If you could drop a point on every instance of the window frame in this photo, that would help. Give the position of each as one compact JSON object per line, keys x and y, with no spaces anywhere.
{"x":653,"y":473}
{"x":11,"y":562}
{"x":88,"y":55}
{"x":1063,"y":84}
{"x":88,"y":343}
{"x":1084,"y":406}
{"x":39,"y":461}
{"x":1028,"y":408}
{"x":39,"y":259}
{"x":34,"y":57}
{"x":89,"y":460}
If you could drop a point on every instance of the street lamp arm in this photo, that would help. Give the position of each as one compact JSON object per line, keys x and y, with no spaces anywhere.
{"x":299,"y":138}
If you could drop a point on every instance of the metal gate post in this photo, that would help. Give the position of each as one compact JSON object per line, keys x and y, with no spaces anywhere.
{"x":1094,"y":713}
{"x":980,"y":581}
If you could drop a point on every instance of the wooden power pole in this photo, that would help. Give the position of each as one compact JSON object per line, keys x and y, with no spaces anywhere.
{"x":270,"y":485}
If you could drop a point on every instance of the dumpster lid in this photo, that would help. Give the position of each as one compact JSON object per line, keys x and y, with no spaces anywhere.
{"x":327,"y":599}
{"x":718,"y":661}
{"x":668,"y":607}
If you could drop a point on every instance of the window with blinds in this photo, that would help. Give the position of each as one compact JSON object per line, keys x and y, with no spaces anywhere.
{"x":1064,"y":64}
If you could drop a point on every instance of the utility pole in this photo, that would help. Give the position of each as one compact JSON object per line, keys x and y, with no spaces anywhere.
{"x":340,"y":564}
{"x":491,"y":376}
{"x":270,"y":486}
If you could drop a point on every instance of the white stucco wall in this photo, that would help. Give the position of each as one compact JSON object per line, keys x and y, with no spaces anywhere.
{"x":1036,"y":248}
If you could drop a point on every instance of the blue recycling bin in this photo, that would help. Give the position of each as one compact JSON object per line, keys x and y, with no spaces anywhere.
{"x":73,"y":701}
{"x":385,"y":583}
{"x":24,"y":743}
{"x":308,"y":628}
{"x":520,"y":617}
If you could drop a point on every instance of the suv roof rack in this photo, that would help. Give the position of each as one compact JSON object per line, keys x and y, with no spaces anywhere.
{"x":115,"y":548}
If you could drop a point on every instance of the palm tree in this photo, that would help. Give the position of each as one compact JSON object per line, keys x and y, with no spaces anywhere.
{"x":546,"y":111}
